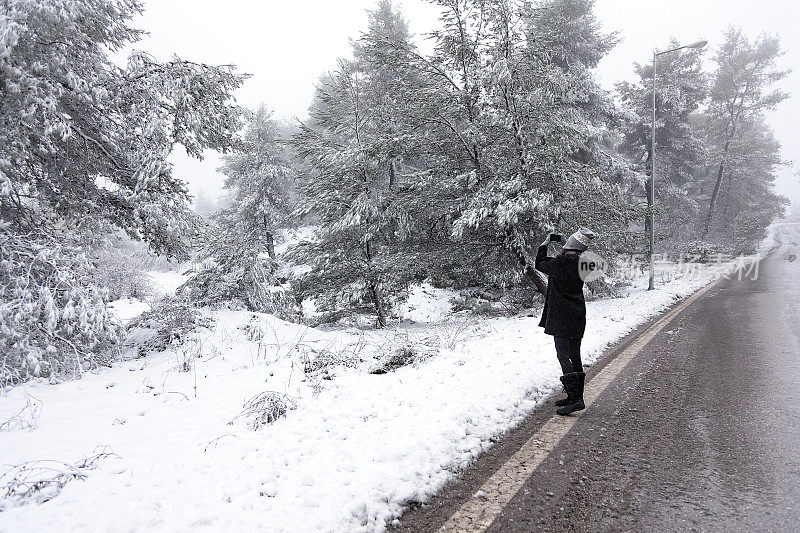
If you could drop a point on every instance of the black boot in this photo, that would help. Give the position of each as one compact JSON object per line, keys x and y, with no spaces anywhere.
{"x":564,"y":401}
{"x":573,"y":382}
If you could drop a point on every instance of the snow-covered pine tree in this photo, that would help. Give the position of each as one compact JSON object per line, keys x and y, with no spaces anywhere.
{"x":682,"y":88}
{"x":391,"y":87}
{"x":236,"y":269}
{"x":260,"y":179}
{"x":83,"y":148}
{"x":742,"y":91}
{"x":354,"y":148}
{"x":748,"y":203}
{"x":522,"y":129}
{"x":87,"y":139}
{"x":345,"y":189}
{"x":238,"y":253}
{"x":567,"y":119}
{"x":449,"y":120}
{"x":509,"y":194}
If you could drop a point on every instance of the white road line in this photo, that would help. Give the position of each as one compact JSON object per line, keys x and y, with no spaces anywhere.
{"x":477,"y":513}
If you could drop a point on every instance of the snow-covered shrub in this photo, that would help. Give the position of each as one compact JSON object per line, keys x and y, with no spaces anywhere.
{"x":25,"y":418}
{"x":41,"y":481}
{"x":254,"y":330}
{"x":400,"y":356}
{"x":703,"y":251}
{"x":187,"y":354}
{"x":606,"y":288}
{"x":249,"y":283}
{"x":171,"y":322}
{"x":522,"y":297}
{"x":449,"y":336}
{"x":265,"y":408}
{"x":237,"y":269}
{"x":278,"y":300}
{"x":314,"y":360}
{"x":477,"y":303}
{"x":53,"y":318}
{"x":347,"y":317}
{"x":121,"y":275}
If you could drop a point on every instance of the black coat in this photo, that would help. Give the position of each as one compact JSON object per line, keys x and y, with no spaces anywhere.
{"x":564,"y":312}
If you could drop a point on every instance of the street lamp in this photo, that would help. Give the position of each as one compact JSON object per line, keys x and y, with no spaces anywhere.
{"x":651,"y":194}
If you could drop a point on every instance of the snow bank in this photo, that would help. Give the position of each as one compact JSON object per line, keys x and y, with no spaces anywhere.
{"x":126,"y":309}
{"x":167,"y":282}
{"x":426,"y":303}
{"x":355,"y":451}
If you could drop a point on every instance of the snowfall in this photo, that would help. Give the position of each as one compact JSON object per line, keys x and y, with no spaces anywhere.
{"x":173,"y":450}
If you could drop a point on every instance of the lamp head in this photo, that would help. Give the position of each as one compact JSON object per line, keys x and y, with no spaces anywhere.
{"x":697,"y":44}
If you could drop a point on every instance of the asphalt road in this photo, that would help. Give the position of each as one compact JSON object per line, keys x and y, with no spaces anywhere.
{"x":699,"y":432}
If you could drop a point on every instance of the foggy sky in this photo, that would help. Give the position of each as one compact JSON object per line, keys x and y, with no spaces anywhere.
{"x":286,"y":46}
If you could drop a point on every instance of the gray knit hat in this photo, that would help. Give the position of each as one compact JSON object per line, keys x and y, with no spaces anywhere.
{"x":580,"y":240}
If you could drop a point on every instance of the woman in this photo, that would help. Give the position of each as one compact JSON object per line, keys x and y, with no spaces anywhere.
{"x":564,"y":315}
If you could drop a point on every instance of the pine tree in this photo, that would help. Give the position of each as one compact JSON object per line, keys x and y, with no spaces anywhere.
{"x":83,"y":150}
{"x":381,"y":54}
{"x":238,"y":249}
{"x":747,"y":202}
{"x":440,"y":106}
{"x":682,"y":89}
{"x":574,"y":153}
{"x":523,"y":126}
{"x":88,"y":140}
{"x":353,"y":149}
{"x":261,"y":179}
{"x":742,"y":91}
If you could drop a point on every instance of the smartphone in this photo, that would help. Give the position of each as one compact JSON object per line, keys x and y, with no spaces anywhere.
{"x":555,"y":237}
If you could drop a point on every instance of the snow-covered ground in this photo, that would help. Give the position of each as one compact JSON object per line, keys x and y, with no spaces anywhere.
{"x":356,"y":448}
{"x":167,"y":282}
{"x":162,"y":283}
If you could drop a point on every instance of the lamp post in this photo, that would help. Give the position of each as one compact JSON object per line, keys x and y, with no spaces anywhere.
{"x":651,"y":193}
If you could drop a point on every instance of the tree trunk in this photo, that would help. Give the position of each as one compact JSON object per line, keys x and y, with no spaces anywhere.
{"x":270,"y":245}
{"x":535,"y":277}
{"x":715,"y":193}
{"x":379,"y":310}
{"x":270,"y":240}
{"x":392,"y":175}
{"x":377,"y":299}
{"x":734,"y":124}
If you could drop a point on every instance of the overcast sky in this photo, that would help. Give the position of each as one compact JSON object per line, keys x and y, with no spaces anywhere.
{"x":286,"y":45}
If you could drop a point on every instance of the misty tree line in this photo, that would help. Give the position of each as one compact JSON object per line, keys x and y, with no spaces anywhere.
{"x":448,"y":166}
{"x":451,"y":166}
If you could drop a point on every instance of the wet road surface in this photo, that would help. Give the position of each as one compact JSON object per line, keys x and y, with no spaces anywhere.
{"x":699,"y":432}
